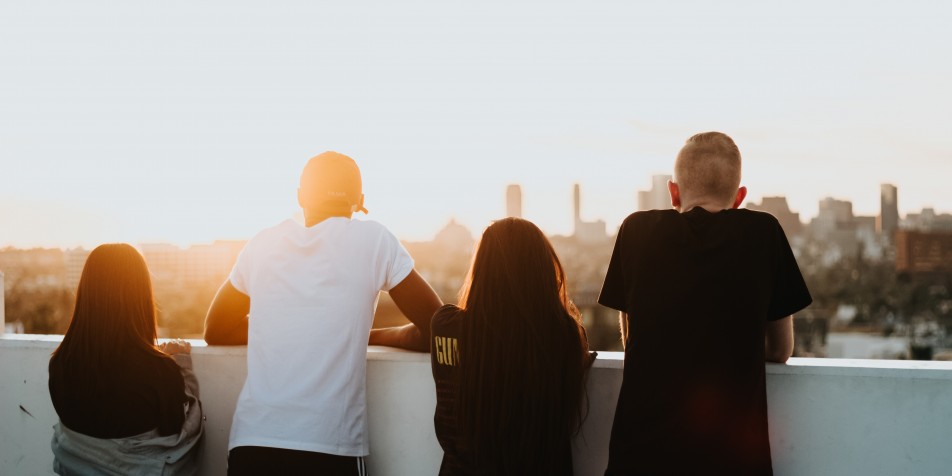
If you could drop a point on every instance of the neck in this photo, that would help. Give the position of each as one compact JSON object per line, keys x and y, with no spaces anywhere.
{"x":313,"y":218}
{"x":710,"y":205}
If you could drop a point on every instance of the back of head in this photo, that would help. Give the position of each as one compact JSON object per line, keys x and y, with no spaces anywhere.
{"x":522,"y":352}
{"x":708,"y":167}
{"x":331,"y":184}
{"x":115,"y":310}
{"x":514,"y":266}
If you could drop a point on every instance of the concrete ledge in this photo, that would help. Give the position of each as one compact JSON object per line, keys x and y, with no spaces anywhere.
{"x":827,"y":417}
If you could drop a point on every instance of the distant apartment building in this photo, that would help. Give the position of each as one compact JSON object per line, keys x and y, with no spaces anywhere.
{"x":846,"y":234}
{"x":514,"y":201}
{"x":198,"y":263}
{"x":778,"y":207}
{"x":924,"y":252}
{"x":833,"y":217}
{"x":35,"y":268}
{"x":657,"y":197}
{"x":927,"y":220}
{"x":75,"y":260}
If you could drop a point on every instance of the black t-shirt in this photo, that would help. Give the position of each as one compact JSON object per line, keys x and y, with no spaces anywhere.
{"x":445,"y":329}
{"x":699,"y":288}
{"x":445,"y":345}
{"x":133,"y":395}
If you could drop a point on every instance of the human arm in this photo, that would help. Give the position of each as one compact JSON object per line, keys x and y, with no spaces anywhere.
{"x":227,"y":320}
{"x":176,"y":346}
{"x":623,"y":328}
{"x":778,"y":346}
{"x":417,"y":301}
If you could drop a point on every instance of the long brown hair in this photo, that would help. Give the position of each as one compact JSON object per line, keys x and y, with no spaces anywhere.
{"x":524,"y":357}
{"x":115,"y":310}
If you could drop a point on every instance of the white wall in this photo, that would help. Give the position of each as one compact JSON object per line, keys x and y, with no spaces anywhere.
{"x":827,"y":417}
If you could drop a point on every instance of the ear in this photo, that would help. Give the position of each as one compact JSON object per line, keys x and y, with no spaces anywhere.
{"x":360,"y":205}
{"x":741,"y":194}
{"x":300,"y":196}
{"x":675,"y":195}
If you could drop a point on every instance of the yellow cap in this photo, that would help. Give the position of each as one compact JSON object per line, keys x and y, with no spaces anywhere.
{"x":331,"y":181}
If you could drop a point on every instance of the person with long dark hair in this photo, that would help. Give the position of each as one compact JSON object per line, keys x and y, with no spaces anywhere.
{"x":125,"y":404}
{"x":510,"y":361}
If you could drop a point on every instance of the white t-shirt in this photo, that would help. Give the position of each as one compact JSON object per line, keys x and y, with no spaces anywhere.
{"x":313,"y":294}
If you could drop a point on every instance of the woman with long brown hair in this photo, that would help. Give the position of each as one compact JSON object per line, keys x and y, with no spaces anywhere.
{"x":126,"y":405}
{"x":510,"y":361}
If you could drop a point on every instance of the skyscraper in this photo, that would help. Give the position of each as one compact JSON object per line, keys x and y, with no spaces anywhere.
{"x":577,"y":205}
{"x":585,"y":231}
{"x":514,"y":201}
{"x":888,"y":219}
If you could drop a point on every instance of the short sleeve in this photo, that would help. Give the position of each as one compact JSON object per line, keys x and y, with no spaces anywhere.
{"x":790,"y":293}
{"x":399,"y":261}
{"x":240,"y":272}
{"x":614,"y":288}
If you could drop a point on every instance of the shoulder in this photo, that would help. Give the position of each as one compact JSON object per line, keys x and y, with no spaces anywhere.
{"x":755,"y":215}
{"x":638,"y":221}
{"x":271,"y":233}
{"x":368,"y":231}
{"x":371,"y":227}
{"x":164,"y":367}
{"x":651,"y":216}
{"x":447,"y":316}
{"x":755,"y":218}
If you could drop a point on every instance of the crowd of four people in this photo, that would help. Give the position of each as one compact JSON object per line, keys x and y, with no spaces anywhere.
{"x":705,"y":291}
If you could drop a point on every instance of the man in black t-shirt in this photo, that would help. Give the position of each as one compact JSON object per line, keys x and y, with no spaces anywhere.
{"x":706,"y":293}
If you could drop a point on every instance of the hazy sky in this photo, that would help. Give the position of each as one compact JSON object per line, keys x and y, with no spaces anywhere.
{"x":190,"y":121}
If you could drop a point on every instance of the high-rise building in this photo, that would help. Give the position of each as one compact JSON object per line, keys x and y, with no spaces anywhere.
{"x":576,"y":205}
{"x":586,"y":231}
{"x":656,"y":198}
{"x":514,"y":201}
{"x":888,"y":220}
{"x":833,"y":216}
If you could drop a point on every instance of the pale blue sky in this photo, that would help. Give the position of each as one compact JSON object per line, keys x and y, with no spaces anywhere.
{"x":180,"y":122}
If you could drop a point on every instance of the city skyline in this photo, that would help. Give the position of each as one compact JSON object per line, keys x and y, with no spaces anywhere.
{"x":512,"y":201}
{"x":175,"y":123}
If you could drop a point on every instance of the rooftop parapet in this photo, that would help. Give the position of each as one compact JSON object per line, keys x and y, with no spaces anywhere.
{"x":827,"y":416}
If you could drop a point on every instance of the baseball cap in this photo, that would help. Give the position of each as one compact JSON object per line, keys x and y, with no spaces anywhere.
{"x":331,"y":180}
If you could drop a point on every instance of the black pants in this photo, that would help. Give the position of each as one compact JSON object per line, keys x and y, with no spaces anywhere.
{"x":260,"y":460}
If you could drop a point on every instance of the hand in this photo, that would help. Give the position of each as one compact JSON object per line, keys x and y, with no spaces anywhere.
{"x":177,"y":346}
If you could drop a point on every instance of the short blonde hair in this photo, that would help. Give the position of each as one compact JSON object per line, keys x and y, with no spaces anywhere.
{"x":708,"y":166}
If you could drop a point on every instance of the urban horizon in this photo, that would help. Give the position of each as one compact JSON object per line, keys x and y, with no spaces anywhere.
{"x":656,"y":195}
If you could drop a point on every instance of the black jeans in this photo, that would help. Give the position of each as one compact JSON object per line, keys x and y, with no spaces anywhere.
{"x":260,"y":460}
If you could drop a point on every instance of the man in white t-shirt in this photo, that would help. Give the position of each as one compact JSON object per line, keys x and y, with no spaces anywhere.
{"x":302,"y":297}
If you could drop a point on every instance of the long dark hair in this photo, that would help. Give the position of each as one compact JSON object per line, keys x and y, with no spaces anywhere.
{"x":115,"y":310}
{"x":523,"y":364}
